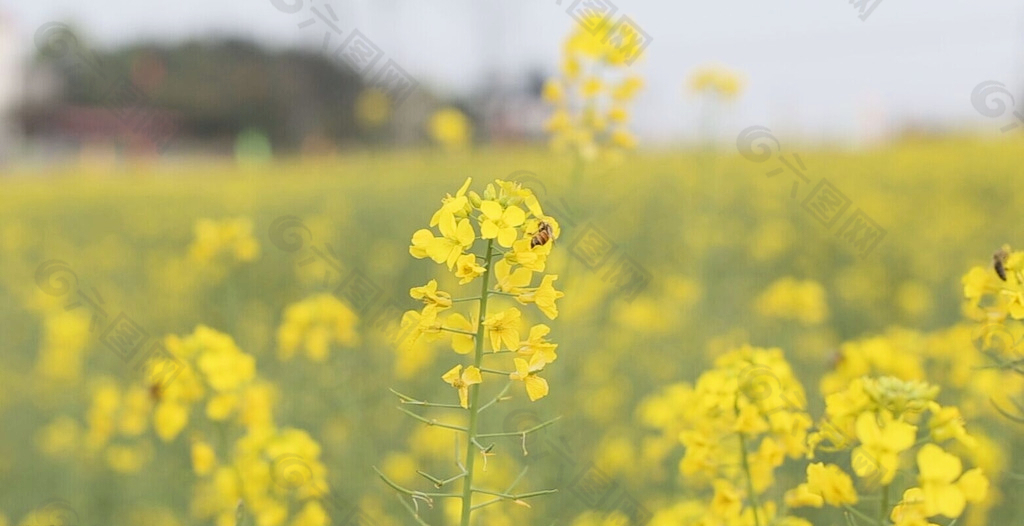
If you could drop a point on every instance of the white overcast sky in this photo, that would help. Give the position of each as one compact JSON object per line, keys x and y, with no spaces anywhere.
{"x":813,"y":68}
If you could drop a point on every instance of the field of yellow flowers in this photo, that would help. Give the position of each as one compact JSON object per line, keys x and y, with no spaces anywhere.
{"x":324,"y":340}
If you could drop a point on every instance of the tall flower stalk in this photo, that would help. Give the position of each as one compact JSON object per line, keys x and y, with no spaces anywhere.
{"x":517,"y":238}
{"x":591,"y":97}
{"x":474,"y":394}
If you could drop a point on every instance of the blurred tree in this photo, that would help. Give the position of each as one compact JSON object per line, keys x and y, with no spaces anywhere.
{"x":220,"y":88}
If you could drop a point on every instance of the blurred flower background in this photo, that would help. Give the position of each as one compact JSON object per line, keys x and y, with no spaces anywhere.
{"x":769,"y":273}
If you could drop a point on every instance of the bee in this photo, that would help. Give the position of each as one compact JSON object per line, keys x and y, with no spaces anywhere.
{"x":999,"y":262}
{"x":543,"y":235}
{"x":156,"y":392}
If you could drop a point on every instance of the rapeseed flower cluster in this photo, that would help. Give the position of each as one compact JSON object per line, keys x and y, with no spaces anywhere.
{"x":592,"y":93}
{"x":224,"y":242}
{"x":791,"y":299}
{"x":451,"y":129}
{"x":745,"y":416}
{"x":274,"y":472}
{"x":517,"y":237}
{"x":312,"y":326}
{"x":881,"y":423}
{"x":907,"y":357}
{"x":717,"y":80}
{"x":114,"y":431}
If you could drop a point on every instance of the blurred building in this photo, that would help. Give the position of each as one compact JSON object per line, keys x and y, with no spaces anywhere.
{"x":512,"y":111}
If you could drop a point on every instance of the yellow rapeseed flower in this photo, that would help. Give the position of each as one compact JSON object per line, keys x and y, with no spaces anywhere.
{"x":204,"y":459}
{"x":467,"y":269}
{"x":526,"y":372}
{"x":941,"y":493}
{"x":503,"y":328}
{"x":830,"y":482}
{"x":881,"y":444}
{"x":716,"y":79}
{"x":456,"y":236}
{"x":461,"y":380}
{"x":543,"y":296}
{"x":431,"y":296}
{"x":537,"y":344}
{"x":461,"y":343}
{"x":450,"y":128}
{"x":500,"y":223}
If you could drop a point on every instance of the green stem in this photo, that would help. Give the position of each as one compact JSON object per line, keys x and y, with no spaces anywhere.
{"x":474,"y":390}
{"x":495,"y":371}
{"x":458,"y":331}
{"x":432,"y":422}
{"x":746,"y":468}
{"x":858,"y":513}
{"x":497,"y":398}
{"x":750,"y":478}
{"x":884,"y":508}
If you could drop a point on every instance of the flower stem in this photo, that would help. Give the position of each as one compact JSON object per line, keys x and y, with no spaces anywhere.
{"x":474,"y":390}
{"x":750,"y":478}
{"x":746,"y":467}
{"x":858,"y":513}
{"x":883,"y":512}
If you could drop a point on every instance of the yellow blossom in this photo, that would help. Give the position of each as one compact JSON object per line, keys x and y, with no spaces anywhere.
{"x":461,"y":343}
{"x":456,"y":236}
{"x":431,"y":296}
{"x":314,"y":325}
{"x":509,"y":280}
{"x":461,"y":380}
{"x":830,"y":482}
{"x":498,"y":222}
{"x":538,"y":344}
{"x":226,"y":368}
{"x":946,"y":423}
{"x":450,"y":128}
{"x":716,"y":79}
{"x":312,"y":514}
{"x":878,"y":454}
{"x":531,"y":258}
{"x":628,"y":88}
{"x":169,"y":419}
{"x":467,"y":269}
{"x":543,"y":296}
{"x":230,"y":240}
{"x":421,"y":324}
{"x":526,"y":372}
{"x":553,"y":91}
{"x":938,"y":475}
{"x":204,"y":459}
{"x":802,"y":496}
{"x":727,"y":501}
{"x":456,"y":206}
{"x":503,"y":328}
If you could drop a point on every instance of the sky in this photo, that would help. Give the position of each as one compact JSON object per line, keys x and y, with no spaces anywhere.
{"x":814,"y":70}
